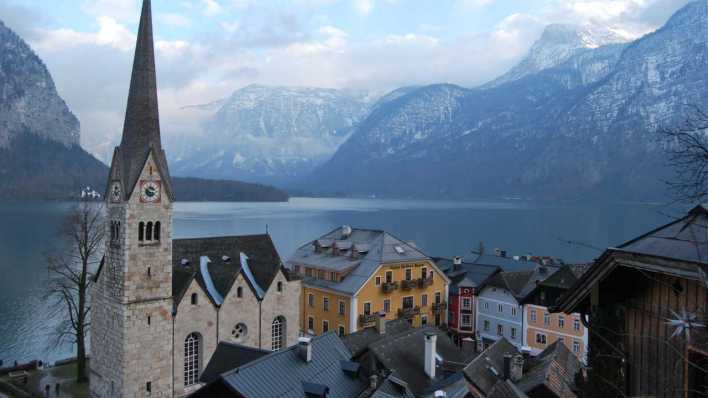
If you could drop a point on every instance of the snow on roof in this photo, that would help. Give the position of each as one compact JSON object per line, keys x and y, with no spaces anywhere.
{"x":247,"y":271}
{"x":204,"y":269}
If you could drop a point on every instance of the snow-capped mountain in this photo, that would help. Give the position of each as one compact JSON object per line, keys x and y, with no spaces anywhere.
{"x":30,"y":102}
{"x":558,"y":44}
{"x":582,"y":126}
{"x":270,"y":134}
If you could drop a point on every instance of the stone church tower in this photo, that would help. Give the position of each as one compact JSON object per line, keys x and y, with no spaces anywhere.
{"x":131,"y":347}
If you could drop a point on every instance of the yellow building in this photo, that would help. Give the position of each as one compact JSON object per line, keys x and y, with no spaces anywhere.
{"x":353,"y":276}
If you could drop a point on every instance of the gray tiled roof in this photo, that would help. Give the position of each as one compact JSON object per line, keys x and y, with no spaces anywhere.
{"x":229,"y":356}
{"x":379,"y":246}
{"x":521,"y":283}
{"x":404,"y":354}
{"x":393,"y":387}
{"x":506,"y":389}
{"x":466,"y":274}
{"x":359,"y":341}
{"x":263,"y":260}
{"x":684,"y":239}
{"x":488,"y":368}
{"x":282,"y":373}
{"x":555,"y":368}
{"x":507,"y":264}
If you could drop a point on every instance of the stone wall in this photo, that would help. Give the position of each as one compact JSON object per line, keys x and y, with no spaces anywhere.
{"x":285,"y":304}
{"x":190,"y":318}
{"x":237,"y":310}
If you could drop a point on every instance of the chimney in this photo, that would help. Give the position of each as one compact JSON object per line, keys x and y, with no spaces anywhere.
{"x":304,"y":346}
{"x":440,"y":394}
{"x":381,"y":324}
{"x":517,"y":368}
{"x":456,"y":262}
{"x":430,"y":354}
{"x":507,"y":367}
{"x":373,"y":381}
{"x":497,"y":252}
{"x":346,"y":231}
{"x":479,"y":342}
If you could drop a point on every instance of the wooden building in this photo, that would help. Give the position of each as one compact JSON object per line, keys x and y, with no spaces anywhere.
{"x":646,"y":305}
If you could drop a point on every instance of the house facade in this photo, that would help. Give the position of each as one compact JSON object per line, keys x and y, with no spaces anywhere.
{"x":353,"y":276}
{"x":499,"y":313}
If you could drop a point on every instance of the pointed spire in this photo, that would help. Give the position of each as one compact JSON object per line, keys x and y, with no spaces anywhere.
{"x":141,"y":130}
{"x":142,"y":120}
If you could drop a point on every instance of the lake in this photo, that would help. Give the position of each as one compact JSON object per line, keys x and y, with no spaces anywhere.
{"x":439,"y":228}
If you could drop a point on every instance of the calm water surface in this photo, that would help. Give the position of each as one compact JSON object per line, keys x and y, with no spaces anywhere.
{"x":440,"y":228}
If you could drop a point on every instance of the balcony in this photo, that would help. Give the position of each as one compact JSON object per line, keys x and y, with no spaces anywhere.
{"x":367,"y":319}
{"x":408,"y":285}
{"x":389,"y":287}
{"x":408,"y":312}
{"x":425,"y":282}
{"x":439,"y":307}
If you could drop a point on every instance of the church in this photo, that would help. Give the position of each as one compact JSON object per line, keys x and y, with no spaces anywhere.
{"x":160,"y":306}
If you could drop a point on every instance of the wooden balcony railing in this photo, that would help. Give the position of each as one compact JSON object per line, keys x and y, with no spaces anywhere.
{"x":389,"y":287}
{"x":367,"y":319}
{"x":408,"y":285}
{"x":408,"y":312}
{"x":425,"y":282}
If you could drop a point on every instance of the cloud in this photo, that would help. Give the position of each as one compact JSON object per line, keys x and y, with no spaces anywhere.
{"x":120,"y":10}
{"x":174,"y":19}
{"x":364,"y":7}
{"x":211,"y":7}
{"x":110,"y":33}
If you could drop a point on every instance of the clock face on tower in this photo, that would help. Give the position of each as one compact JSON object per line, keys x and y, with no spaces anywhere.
{"x":150,"y":191}
{"x":115,"y":192}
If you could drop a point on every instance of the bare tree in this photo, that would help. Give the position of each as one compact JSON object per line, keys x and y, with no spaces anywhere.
{"x":687,"y":149}
{"x":70,"y":268}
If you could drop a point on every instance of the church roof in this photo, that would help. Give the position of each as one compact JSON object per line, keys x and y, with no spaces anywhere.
{"x":141,"y":130}
{"x":229,"y":356}
{"x":225,"y":263}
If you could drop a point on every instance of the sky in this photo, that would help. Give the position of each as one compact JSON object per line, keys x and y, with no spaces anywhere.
{"x":207,"y":49}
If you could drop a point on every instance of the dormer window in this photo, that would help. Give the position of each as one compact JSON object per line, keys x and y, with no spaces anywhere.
{"x":226,"y":258}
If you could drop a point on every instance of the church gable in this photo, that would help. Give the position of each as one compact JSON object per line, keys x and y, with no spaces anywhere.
{"x":151,"y":186}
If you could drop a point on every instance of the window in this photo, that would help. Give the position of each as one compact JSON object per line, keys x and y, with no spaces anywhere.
{"x":149,"y":319}
{"x":325,"y":326}
{"x":500,"y":330}
{"x":191,"y":359}
{"x":424,"y":273}
{"x":195,"y":299}
{"x":561,"y":339}
{"x":321,"y":274}
{"x":576,"y":346}
{"x":486,"y":326}
{"x":389,"y":276}
{"x":341,"y":331}
{"x":239,"y":332}
{"x":561,"y":321}
{"x":546,"y":318}
{"x":409,"y":274}
{"x":310,"y":323}
{"x":513,"y":333}
{"x":486,"y":305}
{"x":423,"y":320}
{"x":239,"y":292}
{"x":378,"y":281}
{"x":500,"y":308}
{"x":157,"y":230}
{"x":333,"y":276}
{"x":576,"y":324}
{"x":149,"y":273}
{"x":311,"y":300}
{"x":148,"y":231}
{"x":296,"y":269}
{"x":308,"y":271}
{"x":280,"y":287}
{"x":367,"y":308}
{"x":278,"y":333}
{"x":342,"y":307}
{"x":466,"y":320}
{"x":423,"y":300}
{"x":437,"y":298}
{"x":540,"y":338}
{"x":325,"y":304}
{"x":533,"y":315}
{"x":466,"y":303}
{"x":408,"y":302}
{"x":141,"y":231}
{"x":387,"y":306}
{"x":513,"y":311}
{"x":148,"y":386}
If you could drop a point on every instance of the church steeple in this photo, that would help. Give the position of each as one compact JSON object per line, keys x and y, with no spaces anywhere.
{"x":141,"y":130}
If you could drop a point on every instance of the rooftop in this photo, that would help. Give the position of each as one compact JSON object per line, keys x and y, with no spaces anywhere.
{"x":229,"y":356}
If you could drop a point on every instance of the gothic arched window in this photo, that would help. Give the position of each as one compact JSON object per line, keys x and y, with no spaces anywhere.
{"x":278,"y":330}
{"x":141,"y":231}
{"x":191,"y":359}
{"x":157,"y":230}
{"x":148,"y":231}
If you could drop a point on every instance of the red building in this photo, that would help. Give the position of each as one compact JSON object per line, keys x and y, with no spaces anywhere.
{"x":465,"y":278}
